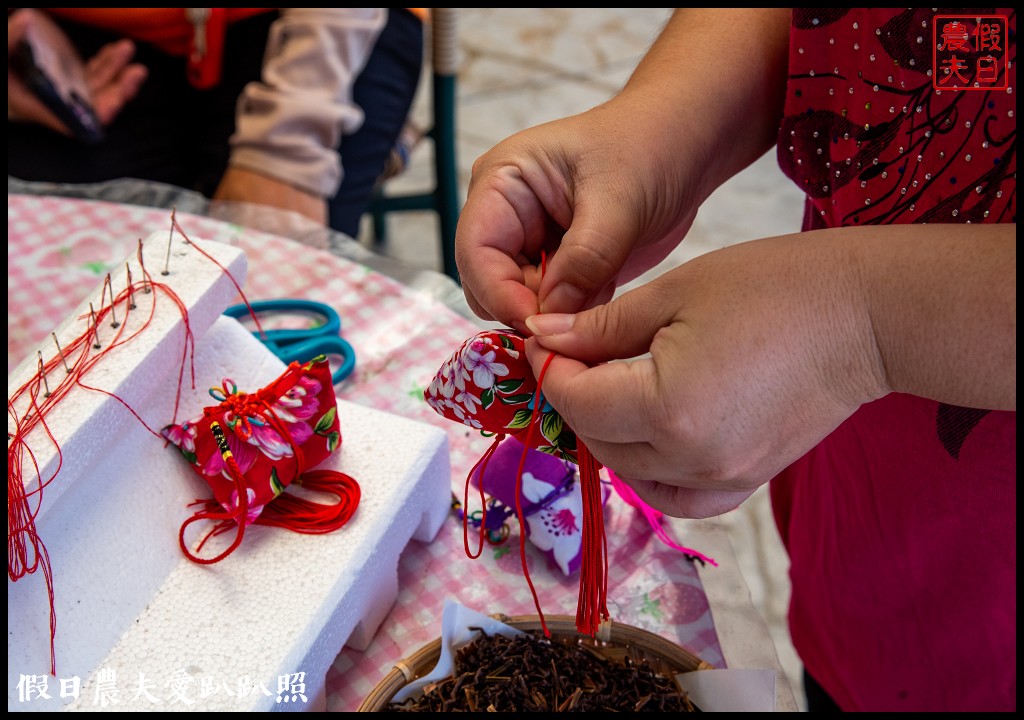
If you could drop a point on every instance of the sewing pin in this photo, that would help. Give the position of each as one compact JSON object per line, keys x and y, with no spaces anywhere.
{"x":42,"y":373}
{"x":131,"y":288}
{"x":174,"y":224}
{"x":113,"y":317}
{"x":145,"y":284}
{"x":61,"y":353}
{"x":170,"y":237}
{"x":95,"y":328}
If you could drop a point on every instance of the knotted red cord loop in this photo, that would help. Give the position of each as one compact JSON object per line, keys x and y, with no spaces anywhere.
{"x":480,"y":465}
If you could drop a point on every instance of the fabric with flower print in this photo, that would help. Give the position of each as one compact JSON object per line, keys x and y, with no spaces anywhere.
{"x":274,"y":434}
{"x":263,"y":442}
{"x":487,"y":384}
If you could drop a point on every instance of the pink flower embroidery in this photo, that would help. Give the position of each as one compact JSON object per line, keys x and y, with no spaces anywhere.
{"x":183,"y":436}
{"x":557,"y":526}
{"x":273,"y":445}
{"x":300,"y":402}
{"x":252,"y":512}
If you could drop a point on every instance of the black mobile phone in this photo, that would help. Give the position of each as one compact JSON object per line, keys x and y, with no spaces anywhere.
{"x":51,"y":68}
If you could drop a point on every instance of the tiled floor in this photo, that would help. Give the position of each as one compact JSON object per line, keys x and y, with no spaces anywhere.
{"x":520,"y":68}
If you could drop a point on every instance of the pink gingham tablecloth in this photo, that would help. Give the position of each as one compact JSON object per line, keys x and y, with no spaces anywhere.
{"x":58,"y":251}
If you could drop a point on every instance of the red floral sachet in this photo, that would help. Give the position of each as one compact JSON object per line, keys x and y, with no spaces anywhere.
{"x":488,"y":384}
{"x":252,"y":446}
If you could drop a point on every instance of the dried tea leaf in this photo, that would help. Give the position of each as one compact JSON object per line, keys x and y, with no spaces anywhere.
{"x":532,"y":673}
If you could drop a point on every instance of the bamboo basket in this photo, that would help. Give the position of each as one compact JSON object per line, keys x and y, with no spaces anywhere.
{"x":614,"y":641}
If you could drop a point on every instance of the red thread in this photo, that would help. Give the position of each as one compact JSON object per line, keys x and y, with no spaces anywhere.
{"x":222,"y":519}
{"x":538,"y":401}
{"x":482,"y":465}
{"x":304,"y":516}
{"x":592,"y":606}
{"x":287,"y":511}
{"x":256,"y":321}
{"x":26,"y":551}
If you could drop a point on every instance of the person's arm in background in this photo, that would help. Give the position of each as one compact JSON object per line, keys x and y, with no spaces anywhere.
{"x":608,"y":193}
{"x":113,"y":79}
{"x":284,"y":151}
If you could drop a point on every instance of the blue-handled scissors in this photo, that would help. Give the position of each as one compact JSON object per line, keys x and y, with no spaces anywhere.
{"x":302,"y":344}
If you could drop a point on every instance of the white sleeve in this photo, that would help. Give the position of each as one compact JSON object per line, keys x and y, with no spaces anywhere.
{"x":289,"y":125}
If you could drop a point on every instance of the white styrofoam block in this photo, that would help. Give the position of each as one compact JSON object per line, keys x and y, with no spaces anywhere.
{"x":104,"y":518}
{"x":83,"y":420}
{"x":285,"y":603}
{"x":128,"y":602}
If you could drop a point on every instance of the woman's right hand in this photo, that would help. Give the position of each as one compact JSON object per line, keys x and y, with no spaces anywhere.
{"x":602,"y":196}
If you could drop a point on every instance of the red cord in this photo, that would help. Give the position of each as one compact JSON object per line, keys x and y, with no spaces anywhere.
{"x":538,"y":401}
{"x":304,"y":516}
{"x":222,"y":519}
{"x":26,"y":552}
{"x":482,"y":465}
{"x":592,"y":607}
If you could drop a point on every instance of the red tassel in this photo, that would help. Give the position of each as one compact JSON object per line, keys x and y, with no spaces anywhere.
{"x":287,"y":510}
{"x":593,"y":601}
{"x":592,"y":607}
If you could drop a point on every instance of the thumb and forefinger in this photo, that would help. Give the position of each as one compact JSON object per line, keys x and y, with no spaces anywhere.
{"x":583,"y":270}
{"x":588,"y":390}
{"x":620,"y":329}
{"x":606,"y":402}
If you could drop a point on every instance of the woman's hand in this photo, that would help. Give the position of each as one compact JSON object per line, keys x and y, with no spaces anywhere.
{"x":241,"y":185}
{"x":605,"y":195}
{"x":745,"y":359}
{"x":590,"y":194}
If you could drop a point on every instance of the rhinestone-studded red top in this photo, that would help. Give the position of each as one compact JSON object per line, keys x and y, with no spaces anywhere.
{"x":870,"y":140}
{"x":901,"y":525}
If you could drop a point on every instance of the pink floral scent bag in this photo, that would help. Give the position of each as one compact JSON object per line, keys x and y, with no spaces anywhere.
{"x":252,"y":446}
